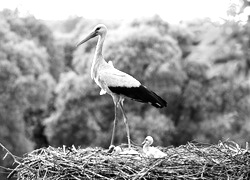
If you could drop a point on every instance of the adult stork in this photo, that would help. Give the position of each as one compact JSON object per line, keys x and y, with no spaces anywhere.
{"x":117,"y":83}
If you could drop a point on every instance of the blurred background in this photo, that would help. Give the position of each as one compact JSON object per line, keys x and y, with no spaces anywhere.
{"x":195,"y":54}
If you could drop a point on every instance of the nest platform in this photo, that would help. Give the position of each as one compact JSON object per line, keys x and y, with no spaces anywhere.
{"x":225,"y":160}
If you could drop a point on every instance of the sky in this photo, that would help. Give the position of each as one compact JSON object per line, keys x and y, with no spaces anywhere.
{"x":169,"y":10}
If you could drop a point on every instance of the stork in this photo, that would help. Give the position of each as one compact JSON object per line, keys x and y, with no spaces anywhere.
{"x":151,"y":152}
{"x":117,"y":83}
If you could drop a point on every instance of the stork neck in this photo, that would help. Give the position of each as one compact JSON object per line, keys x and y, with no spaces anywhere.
{"x":145,"y":147}
{"x":99,"y":45}
{"x":98,"y":58}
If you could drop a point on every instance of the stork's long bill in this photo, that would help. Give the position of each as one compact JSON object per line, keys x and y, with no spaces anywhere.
{"x":88,"y":37}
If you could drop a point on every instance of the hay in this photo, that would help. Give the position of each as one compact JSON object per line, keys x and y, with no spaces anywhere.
{"x":225,"y":160}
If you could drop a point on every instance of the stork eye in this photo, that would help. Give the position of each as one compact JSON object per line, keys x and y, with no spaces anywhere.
{"x":97,"y":29}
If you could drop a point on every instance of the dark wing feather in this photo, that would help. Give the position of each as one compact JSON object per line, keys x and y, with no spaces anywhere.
{"x":141,"y":94}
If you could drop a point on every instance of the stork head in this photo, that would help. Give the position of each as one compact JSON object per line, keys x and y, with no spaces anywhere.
{"x":148,"y":141}
{"x":100,"y":30}
{"x":117,"y":150}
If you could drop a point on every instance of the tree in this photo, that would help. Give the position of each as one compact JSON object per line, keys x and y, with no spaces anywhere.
{"x":25,"y":82}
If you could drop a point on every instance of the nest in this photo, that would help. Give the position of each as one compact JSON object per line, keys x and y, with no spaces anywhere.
{"x":225,"y":160}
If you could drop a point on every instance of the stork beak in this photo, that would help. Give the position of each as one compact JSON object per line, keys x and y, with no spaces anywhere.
{"x":144,"y":142}
{"x":91,"y":35}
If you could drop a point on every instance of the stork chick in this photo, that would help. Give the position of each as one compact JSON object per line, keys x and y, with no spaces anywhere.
{"x":151,"y":152}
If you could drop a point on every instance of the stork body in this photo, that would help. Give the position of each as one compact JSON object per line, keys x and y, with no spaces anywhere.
{"x":117,"y":83}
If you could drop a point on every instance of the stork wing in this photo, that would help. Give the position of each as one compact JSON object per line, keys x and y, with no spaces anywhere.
{"x":123,"y":84}
{"x":115,"y":78}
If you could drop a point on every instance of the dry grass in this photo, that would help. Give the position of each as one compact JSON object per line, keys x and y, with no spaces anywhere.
{"x":225,"y":160}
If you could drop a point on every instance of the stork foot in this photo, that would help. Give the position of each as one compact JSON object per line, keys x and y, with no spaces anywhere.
{"x":111,"y":148}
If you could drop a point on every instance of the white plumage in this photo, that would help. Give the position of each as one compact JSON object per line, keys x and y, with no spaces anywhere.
{"x":117,"y":83}
{"x":115,"y":78}
{"x":119,"y":151}
{"x":151,"y":152}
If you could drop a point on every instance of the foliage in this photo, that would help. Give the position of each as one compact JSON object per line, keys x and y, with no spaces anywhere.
{"x":25,"y":81}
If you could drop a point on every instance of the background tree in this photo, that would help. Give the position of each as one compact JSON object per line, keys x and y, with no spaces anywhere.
{"x":25,"y":82}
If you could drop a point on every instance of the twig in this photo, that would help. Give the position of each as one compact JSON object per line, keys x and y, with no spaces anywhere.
{"x":9,"y":153}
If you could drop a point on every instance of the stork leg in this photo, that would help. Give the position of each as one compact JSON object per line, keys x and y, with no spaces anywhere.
{"x":111,"y":147}
{"x":114,"y":127}
{"x":126,"y":123}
